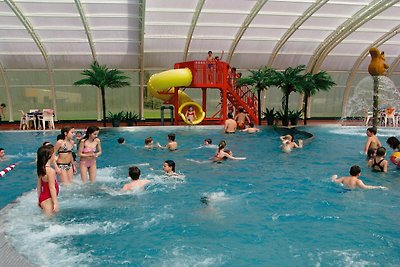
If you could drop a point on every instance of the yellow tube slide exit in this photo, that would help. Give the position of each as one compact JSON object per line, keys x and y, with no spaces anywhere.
{"x":162,"y":86}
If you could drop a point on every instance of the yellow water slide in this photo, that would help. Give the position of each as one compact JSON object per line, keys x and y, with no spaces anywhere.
{"x":162,"y":86}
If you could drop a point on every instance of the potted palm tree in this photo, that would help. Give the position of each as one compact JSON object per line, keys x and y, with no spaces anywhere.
{"x":116,"y":118}
{"x":261,"y":79}
{"x":270,"y":116}
{"x":313,"y":83}
{"x":103,"y":77}
{"x":131,"y":118}
{"x":294,"y":116}
{"x":290,"y":80}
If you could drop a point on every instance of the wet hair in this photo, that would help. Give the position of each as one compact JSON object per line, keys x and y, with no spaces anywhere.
{"x":148,"y":140}
{"x":221,"y":145}
{"x":381,"y":151}
{"x":371,"y":152}
{"x":89,"y":131}
{"x":171,"y":164}
{"x":171,"y":136}
{"x":251,"y":124}
{"x":1,"y":149}
{"x":393,"y":142}
{"x":372,"y":130}
{"x":134,"y":173}
{"x":204,"y":200}
{"x":121,"y":140}
{"x":64,"y":131}
{"x":209,"y":52}
{"x":208,"y":140}
{"x":355,"y":170}
{"x":230,"y":116}
{"x":44,"y":154}
{"x":60,"y":137}
{"x":46,"y":143}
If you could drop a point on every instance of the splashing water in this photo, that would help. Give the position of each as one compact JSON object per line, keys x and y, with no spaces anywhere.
{"x":361,"y":100}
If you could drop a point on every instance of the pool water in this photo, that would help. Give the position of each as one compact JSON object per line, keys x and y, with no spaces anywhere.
{"x":272,"y":209}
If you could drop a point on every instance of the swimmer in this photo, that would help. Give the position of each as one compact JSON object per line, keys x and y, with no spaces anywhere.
{"x":288,"y":143}
{"x":149,"y":143}
{"x":47,"y":186}
{"x":134,"y":174}
{"x":169,"y":168}
{"x":207,"y":142}
{"x":251,"y":128}
{"x":353,"y":180}
{"x":2,"y":154}
{"x":121,"y":140}
{"x":379,"y":163}
{"x":223,"y":154}
{"x":172,"y":144}
{"x":372,"y":140}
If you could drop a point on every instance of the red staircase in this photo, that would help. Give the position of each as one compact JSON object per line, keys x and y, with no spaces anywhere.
{"x":217,"y":75}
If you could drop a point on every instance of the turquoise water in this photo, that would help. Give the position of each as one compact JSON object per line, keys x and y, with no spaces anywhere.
{"x":272,"y":209}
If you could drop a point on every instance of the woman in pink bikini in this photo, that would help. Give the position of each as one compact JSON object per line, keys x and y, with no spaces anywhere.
{"x":47,"y":186}
{"x":89,"y":150}
{"x":191,"y":114}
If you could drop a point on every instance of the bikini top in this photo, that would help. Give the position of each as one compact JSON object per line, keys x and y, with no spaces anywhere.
{"x":190,"y":113}
{"x":88,"y":149}
{"x":64,"y":149}
{"x":378,"y":164}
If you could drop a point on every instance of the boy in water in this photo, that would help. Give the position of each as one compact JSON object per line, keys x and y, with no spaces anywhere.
{"x":148,"y":143}
{"x":251,"y":128}
{"x":171,"y":145}
{"x":353,"y":180}
{"x":121,"y":140}
{"x":134,"y":174}
{"x":372,"y":140}
{"x":207,"y":141}
{"x":2,"y":154}
{"x":379,"y":163}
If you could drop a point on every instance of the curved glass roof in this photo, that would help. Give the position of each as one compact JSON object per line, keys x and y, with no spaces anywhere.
{"x":66,"y":34}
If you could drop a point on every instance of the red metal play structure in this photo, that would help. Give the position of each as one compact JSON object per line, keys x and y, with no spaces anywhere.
{"x":217,"y":75}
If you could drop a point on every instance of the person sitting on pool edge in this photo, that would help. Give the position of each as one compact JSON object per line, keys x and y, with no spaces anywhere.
{"x":353,"y":181}
{"x":134,"y":174}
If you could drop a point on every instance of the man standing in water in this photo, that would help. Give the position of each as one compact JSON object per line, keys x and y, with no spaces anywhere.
{"x":230,"y":125}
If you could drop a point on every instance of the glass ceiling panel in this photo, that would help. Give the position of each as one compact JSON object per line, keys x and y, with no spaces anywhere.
{"x":50,"y":7}
{"x":338,"y":62}
{"x":120,"y":62}
{"x":162,"y":60}
{"x":331,"y":22}
{"x":162,"y":30}
{"x":349,"y":48}
{"x":162,"y":4}
{"x":255,"y":46}
{"x":282,"y":61}
{"x":165,"y":44}
{"x":62,"y":34}
{"x":129,"y":34}
{"x":71,"y":61}
{"x":117,"y":47}
{"x":214,"y":45}
{"x":316,"y":34}
{"x":9,"y":34}
{"x":71,"y":47}
{"x":273,"y":33}
{"x":23,"y":62}
{"x":248,"y":61}
{"x":130,"y":7}
{"x":208,"y":31}
{"x":274,"y":21}
{"x":163,"y":17}
{"x":25,"y":46}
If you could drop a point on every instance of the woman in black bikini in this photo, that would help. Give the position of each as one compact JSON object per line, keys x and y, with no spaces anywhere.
{"x":65,"y":159}
{"x":379,"y":163}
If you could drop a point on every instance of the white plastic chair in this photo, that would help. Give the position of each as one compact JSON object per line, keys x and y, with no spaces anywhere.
{"x":26,"y":119}
{"x":370,"y":115}
{"x":389,"y":114}
{"x":47,"y":116}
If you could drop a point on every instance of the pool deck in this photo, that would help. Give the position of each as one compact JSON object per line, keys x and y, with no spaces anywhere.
{"x":9,"y":257}
{"x":14,"y":126}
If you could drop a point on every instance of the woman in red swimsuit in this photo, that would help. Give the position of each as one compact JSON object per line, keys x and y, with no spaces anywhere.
{"x":47,"y":186}
{"x":191,"y":114}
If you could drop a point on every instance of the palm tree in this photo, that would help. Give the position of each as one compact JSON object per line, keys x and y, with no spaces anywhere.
{"x":289,"y":80}
{"x":102,"y":77}
{"x":261,"y":79}
{"x":313,"y":83}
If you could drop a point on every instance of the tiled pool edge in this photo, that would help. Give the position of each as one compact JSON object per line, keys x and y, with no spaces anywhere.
{"x":9,"y":257}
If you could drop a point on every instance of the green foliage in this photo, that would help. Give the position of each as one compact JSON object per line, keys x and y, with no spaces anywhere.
{"x":130,"y":116}
{"x":320,"y":81}
{"x":103,"y":77}
{"x":270,"y":116}
{"x":116,"y":116}
{"x":295,"y":114}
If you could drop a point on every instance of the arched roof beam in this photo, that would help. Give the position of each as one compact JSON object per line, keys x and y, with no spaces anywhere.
{"x":39,"y":44}
{"x":253,"y":13}
{"x":195,"y":18}
{"x":358,"y":62}
{"x":142,"y":16}
{"x":8,"y":95}
{"x":308,"y":13}
{"x":86,"y":26}
{"x":344,"y":30}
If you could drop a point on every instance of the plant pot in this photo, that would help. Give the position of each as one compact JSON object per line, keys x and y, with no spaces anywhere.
{"x":285,"y":122}
{"x":131,"y":122}
{"x":270,"y":121}
{"x":294,"y":121}
{"x":115,"y":123}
